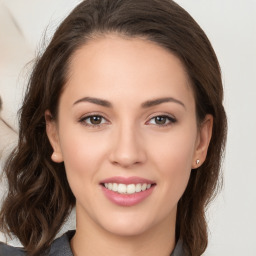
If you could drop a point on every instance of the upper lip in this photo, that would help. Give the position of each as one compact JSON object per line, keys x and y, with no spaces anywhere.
{"x":127,"y":180}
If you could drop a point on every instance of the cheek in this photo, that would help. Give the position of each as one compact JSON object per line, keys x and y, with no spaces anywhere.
{"x":83,"y":153}
{"x":173,"y":156}
{"x":82,"y":159}
{"x":174,"y":152}
{"x":174,"y":171}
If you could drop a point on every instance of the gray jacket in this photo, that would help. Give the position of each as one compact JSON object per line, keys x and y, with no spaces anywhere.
{"x":61,"y":247}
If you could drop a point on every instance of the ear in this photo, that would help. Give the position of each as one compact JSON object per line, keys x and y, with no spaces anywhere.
{"x":203,"y":141}
{"x":53,"y":136}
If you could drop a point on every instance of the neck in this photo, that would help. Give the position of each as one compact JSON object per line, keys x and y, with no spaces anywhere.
{"x":90,"y":239}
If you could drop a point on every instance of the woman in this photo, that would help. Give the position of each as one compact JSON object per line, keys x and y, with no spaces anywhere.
{"x":123,"y":119}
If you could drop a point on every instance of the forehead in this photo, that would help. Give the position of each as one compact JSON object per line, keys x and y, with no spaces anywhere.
{"x":126,"y":67}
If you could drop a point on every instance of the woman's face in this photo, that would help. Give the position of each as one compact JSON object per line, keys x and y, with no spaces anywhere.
{"x":127,"y":134}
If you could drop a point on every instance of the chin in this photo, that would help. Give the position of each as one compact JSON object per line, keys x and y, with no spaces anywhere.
{"x":127,"y":230}
{"x":125,"y":226}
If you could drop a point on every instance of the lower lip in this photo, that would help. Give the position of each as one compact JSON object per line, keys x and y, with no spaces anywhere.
{"x":127,"y":199}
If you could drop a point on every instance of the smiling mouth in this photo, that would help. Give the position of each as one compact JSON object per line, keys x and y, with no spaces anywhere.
{"x":128,"y":189}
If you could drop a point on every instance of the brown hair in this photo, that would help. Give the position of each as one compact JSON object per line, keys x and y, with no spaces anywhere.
{"x":39,"y":197}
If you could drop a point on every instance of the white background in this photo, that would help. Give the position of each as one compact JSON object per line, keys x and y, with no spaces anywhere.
{"x":231,"y":27}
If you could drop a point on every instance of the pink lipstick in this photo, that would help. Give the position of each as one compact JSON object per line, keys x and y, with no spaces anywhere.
{"x":127,"y":191}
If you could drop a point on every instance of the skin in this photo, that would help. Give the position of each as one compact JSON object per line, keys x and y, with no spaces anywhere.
{"x":129,"y":141}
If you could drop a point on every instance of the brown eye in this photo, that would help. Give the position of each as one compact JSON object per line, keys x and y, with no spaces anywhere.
{"x":162,"y":120}
{"x":95,"y":120}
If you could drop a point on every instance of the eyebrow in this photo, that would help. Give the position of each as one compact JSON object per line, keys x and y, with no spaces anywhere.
{"x":146,"y":104}
{"x":97,"y":101}
{"x":151,"y":103}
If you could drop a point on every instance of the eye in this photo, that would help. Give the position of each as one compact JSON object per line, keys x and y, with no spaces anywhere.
{"x":162,"y":120}
{"x":93,"y":120}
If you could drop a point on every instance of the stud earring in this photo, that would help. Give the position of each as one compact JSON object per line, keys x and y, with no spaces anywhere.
{"x":197,"y":161}
{"x":54,"y":156}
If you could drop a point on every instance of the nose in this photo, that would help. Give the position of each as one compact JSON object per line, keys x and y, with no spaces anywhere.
{"x":127,"y":147}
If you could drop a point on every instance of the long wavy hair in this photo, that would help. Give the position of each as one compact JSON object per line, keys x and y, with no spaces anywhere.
{"x":39,"y":198}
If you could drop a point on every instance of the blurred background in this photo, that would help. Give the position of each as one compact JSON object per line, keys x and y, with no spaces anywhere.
{"x":231,"y":27}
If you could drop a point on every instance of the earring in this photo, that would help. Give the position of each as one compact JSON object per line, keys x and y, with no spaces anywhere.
{"x":197,"y":161}
{"x":54,"y":156}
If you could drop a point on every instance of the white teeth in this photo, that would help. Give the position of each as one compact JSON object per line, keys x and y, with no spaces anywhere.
{"x":121,"y":188}
{"x":130,"y":189}
{"x":115,"y":187}
{"x":138,"y":188}
{"x":144,"y":187}
{"x":127,"y":189}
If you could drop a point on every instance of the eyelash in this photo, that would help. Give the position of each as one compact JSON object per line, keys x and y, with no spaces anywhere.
{"x":171,"y":120}
{"x":83,"y":121}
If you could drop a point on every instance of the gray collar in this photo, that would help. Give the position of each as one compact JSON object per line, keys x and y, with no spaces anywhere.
{"x":61,"y":246}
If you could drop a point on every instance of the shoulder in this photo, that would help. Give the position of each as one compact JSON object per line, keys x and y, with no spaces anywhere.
{"x":59,"y":247}
{"x":7,"y":250}
{"x":178,"y":250}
